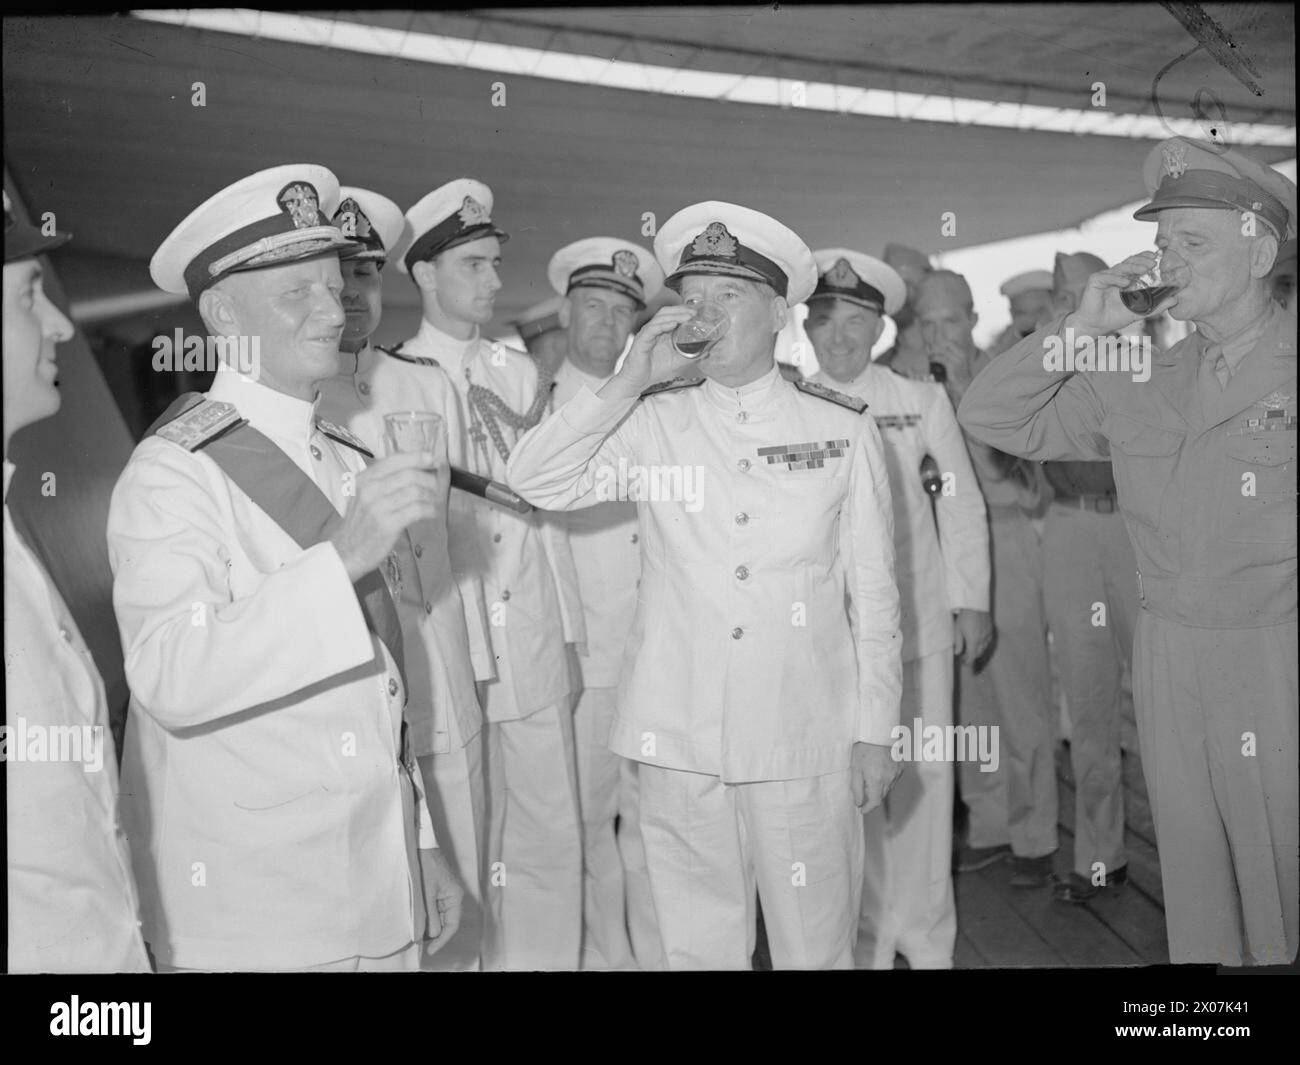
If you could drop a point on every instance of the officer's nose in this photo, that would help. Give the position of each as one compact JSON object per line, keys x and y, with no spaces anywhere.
{"x":330,"y":308}
{"x":54,"y":323}
{"x":494,"y":280}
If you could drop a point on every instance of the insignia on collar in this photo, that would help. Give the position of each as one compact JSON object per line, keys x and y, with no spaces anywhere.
{"x":715,"y":242}
{"x":352,"y":220}
{"x":1174,"y":159}
{"x":300,"y":202}
{"x":201,"y":424}
{"x":625,"y":263}
{"x":343,"y":436}
{"x":1276,"y":401}
{"x":841,"y":275}
{"x":672,"y":385}
{"x":822,"y":392}
{"x":472,"y":213}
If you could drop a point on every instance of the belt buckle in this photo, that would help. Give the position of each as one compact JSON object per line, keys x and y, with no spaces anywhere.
{"x":1106,"y":505}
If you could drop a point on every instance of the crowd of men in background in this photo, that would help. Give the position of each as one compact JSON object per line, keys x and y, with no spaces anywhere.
{"x":567,"y":715}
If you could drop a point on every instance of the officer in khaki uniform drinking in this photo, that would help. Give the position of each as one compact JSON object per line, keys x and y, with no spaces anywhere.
{"x":1204,"y":459}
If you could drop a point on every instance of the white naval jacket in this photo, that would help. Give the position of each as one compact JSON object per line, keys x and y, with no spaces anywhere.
{"x":529,"y":581}
{"x":742,"y":662}
{"x":72,"y":902}
{"x":271,"y":824}
{"x":433,"y":610}
{"x":943,"y":571}
{"x":605,"y":540}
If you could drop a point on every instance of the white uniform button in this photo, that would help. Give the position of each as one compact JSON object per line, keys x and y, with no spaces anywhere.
{"x":742,"y":518}
{"x":363,"y":388}
{"x":635,"y":538}
{"x":419,"y":550}
{"x":742,"y":573}
{"x":315,"y":452}
{"x":428,"y":608}
{"x":496,"y":538}
{"x":392,"y":686}
{"x":505,"y":596}
{"x":743,"y":465}
{"x":67,"y":636}
{"x":742,"y":415}
{"x":737,"y":633}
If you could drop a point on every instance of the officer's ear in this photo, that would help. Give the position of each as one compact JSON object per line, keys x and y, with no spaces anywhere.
{"x":425,"y":276}
{"x":877,"y":330}
{"x":780,"y":313}
{"x":1263,"y":254}
{"x":219,"y":309}
{"x":565,"y":312}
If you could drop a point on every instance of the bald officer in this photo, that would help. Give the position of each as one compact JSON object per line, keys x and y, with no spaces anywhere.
{"x":72,"y":903}
{"x":603,"y":283}
{"x":451,"y":249}
{"x":1029,"y":296}
{"x":1090,"y":589}
{"x":446,"y":724}
{"x":760,"y":709}
{"x":1012,"y":809}
{"x":907,"y":356}
{"x":943,"y":576}
{"x":272,"y":804}
{"x":543,"y":336}
{"x":1204,"y":460}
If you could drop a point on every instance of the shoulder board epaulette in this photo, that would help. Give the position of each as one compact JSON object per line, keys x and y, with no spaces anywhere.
{"x":812,"y":388}
{"x":201,"y":424}
{"x":672,"y":385}
{"x":344,"y":436}
{"x":396,"y":352}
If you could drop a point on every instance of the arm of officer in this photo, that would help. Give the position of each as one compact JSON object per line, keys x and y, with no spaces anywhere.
{"x":867,"y":545}
{"x":1017,"y":405}
{"x":570,"y":460}
{"x":194,"y":653}
{"x":961,"y":514}
{"x":564,"y":571}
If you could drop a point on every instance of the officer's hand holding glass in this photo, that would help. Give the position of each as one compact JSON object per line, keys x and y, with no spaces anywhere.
{"x":654,"y":357}
{"x":408,"y":485}
{"x":1141,"y":286}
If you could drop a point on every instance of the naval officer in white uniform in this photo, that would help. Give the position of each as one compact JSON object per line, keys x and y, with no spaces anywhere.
{"x":451,"y":249}
{"x":273,"y":808}
{"x":602,"y":284}
{"x":761,"y":681}
{"x":943,"y":580}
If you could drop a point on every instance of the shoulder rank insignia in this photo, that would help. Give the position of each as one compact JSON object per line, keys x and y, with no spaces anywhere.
{"x":344,"y":436}
{"x":201,"y":424}
{"x":812,"y":388}
{"x":396,"y":352}
{"x":672,"y":385}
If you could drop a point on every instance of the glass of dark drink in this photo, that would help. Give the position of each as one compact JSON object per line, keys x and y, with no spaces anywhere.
{"x":1150,"y":290}
{"x":694,"y":337}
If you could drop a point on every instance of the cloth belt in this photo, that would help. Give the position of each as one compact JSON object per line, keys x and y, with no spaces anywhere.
{"x":1219,"y":604}
{"x":292,"y":500}
{"x":1103,"y":503}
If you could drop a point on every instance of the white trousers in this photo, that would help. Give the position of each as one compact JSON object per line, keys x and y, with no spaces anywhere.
{"x":605,"y":943}
{"x":534,"y":877}
{"x":710,"y":846}
{"x":908,"y":905}
{"x":642,"y":927}
{"x":406,"y":960}
{"x":456,"y":794}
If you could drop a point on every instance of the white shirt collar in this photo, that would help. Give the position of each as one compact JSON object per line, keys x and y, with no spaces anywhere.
{"x":265,"y":409}
{"x":450,"y":352}
{"x":746,"y":396}
{"x":9,"y":476}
